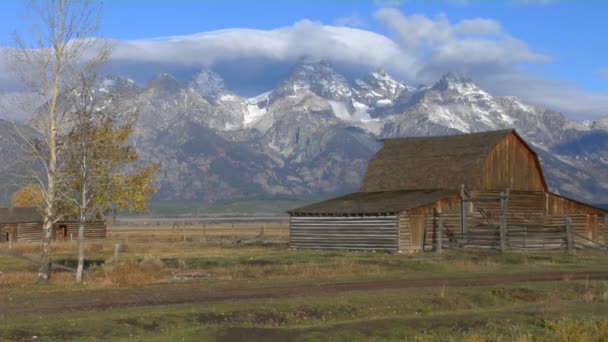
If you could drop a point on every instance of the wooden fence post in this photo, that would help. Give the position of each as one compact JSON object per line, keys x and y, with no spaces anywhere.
{"x":440,"y":235}
{"x":116,"y":248}
{"x":503,"y":222}
{"x":569,"y":237}
{"x":463,"y":217}
{"x":10,"y":240}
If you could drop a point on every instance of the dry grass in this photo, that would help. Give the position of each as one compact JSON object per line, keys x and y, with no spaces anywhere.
{"x":199,"y":233}
{"x":130,"y":272}
{"x":300,"y":271}
{"x":574,"y":330}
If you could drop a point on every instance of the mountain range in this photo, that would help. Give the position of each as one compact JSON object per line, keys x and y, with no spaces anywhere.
{"x":312,"y":135}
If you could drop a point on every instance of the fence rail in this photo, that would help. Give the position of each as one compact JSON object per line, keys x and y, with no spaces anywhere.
{"x":532,"y":237}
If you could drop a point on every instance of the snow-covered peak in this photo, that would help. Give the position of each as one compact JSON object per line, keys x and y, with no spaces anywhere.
{"x":455,"y":82}
{"x":165,"y":82}
{"x":115,"y":84}
{"x":319,"y":77}
{"x":256,"y":108}
{"x":377,"y":89}
{"x":209,"y":85}
{"x":601,"y":123}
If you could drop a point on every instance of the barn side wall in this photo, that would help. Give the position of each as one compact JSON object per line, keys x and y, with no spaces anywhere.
{"x":412,"y":222}
{"x":344,"y":232}
{"x":92,"y":230}
{"x":512,"y":165}
{"x":418,"y":227}
{"x":32,"y":232}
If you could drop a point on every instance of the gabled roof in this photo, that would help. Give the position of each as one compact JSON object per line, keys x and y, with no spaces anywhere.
{"x":19,"y":215}
{"x":443,"y":162}
{"x":375,"y":202}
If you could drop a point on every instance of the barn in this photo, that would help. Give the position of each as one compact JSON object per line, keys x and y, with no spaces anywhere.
{"x":25,"y":225}
{"x":480,"y":190}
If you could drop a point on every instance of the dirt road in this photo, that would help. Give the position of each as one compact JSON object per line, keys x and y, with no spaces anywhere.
{"x":196,"y":292}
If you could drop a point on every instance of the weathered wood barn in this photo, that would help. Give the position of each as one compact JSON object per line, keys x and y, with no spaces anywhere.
{"x":483,"y":190}
{"x":25,"y":225}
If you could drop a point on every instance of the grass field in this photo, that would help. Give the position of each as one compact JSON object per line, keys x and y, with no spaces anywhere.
{"x":241,"y":282}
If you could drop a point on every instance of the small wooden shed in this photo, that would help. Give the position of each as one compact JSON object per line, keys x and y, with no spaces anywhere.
{"x":471,"y":184}
{"x":25,"y":225}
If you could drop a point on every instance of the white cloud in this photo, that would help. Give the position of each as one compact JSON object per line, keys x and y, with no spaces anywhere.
{"x":478,"y":26}
{"x":353,"y":20}
{"x":304,"y":38}
{"x":466,"y":41}
{"x":603,"y":72}
{"x":419,"y":50}
{"x":481,"y":49}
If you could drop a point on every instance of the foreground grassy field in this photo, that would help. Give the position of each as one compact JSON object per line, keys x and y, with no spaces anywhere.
{"x":242,"y":283}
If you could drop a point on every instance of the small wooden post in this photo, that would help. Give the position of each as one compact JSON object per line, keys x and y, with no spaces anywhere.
{"x":440,"y":235}
{"x":263,"y":229}
{"x":569,"y":237}
{"x":116,"y":248}
{"x":503,"y":222}
{"x":463,"y":214}
{"x":204,"y":230}
{"x":233,"y":231}
{"x":10,"y":240}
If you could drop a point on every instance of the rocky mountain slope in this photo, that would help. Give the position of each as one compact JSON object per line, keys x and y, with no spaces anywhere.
{"x":313,"y":134}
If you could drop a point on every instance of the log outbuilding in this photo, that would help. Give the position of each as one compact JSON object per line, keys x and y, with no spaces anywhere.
{"x":25,"y":225}
{"x":483,"y":190}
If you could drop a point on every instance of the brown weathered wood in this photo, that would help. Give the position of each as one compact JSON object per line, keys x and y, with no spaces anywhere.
{"x":503,"y":222}
{"x":525,"y":216}
{"x":440,"y":235}
{"x":511,"y":164}
{"x":463,"y":212}
{"x":569,"y":236}
{"x":590,"y":240}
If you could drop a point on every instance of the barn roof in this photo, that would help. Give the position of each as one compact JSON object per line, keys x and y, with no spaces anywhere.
{"x":375,"y":202}
{"x":443,"y":162}
{"x":19,"y":215}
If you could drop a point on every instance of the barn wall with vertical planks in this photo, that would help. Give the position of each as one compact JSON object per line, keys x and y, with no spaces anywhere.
{"x":511,"y":164}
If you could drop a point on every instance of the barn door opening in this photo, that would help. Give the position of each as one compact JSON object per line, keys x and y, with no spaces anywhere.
{"x":62,"y":232}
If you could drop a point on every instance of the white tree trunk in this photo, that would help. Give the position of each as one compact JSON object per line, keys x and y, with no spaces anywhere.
{"x":80,"y":268}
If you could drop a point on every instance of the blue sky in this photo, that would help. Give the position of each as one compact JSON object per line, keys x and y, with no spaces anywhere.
{"x":559,"y":48}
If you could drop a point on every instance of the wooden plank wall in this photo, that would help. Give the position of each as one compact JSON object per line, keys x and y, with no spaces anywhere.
{"x":412,"y":222}
{"x":512,"y":165}
{"x":344,"y":232}
{"x":92,"y":230}
{"x":29,"y":232}
{"x":525,"y":209}
{"x":32,"y":232}
{"x":557,"y":205}
{"x":405,"y":232}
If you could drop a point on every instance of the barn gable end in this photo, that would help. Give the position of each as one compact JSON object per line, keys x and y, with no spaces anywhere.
{"x":512,"y":164}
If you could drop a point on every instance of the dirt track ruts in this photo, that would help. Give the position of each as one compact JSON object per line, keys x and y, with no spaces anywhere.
{"x":196,"y":292}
